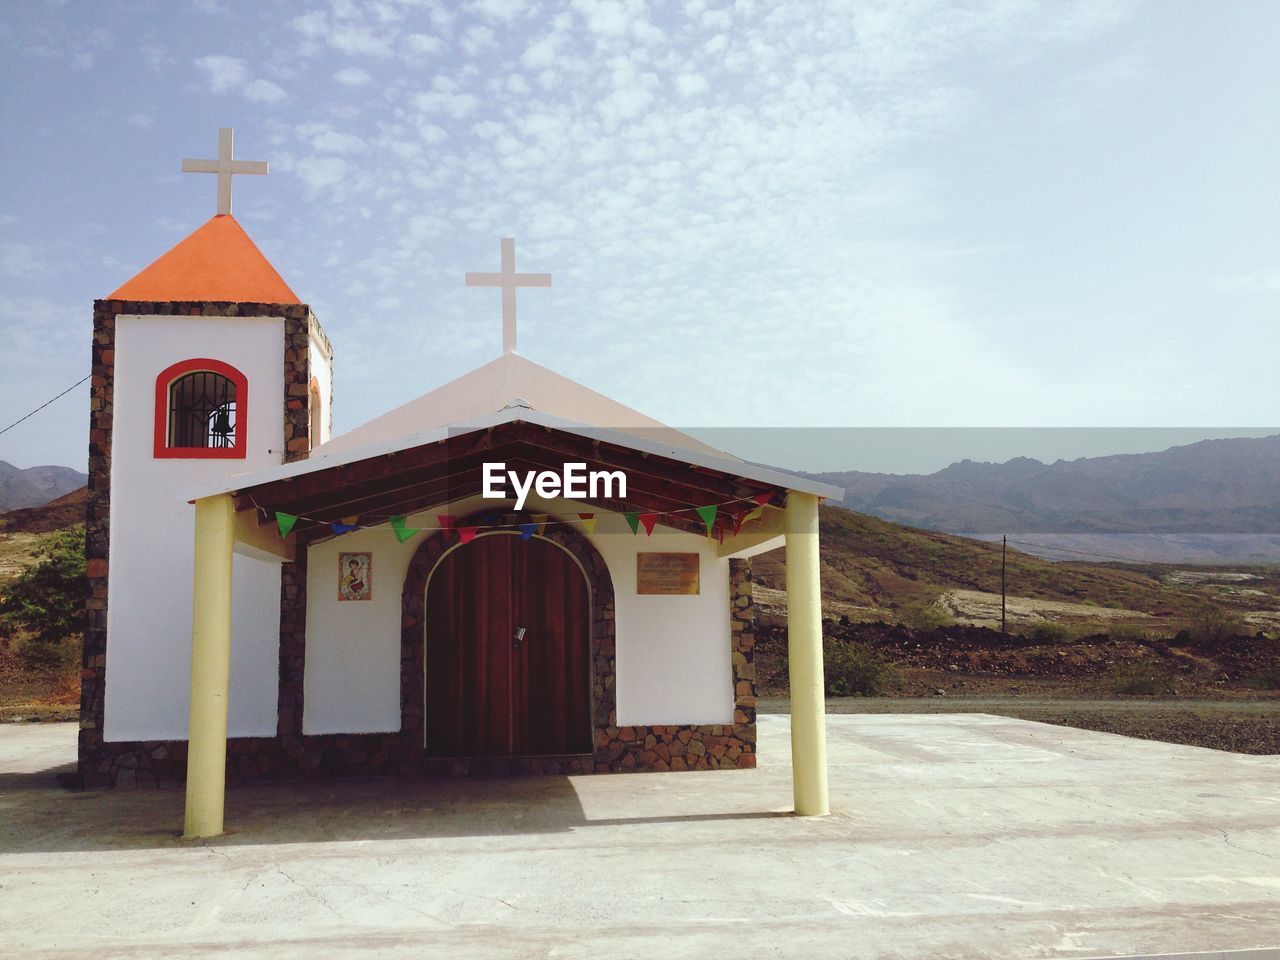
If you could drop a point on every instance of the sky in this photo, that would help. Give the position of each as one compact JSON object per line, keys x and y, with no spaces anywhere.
{"x":883,"y":213}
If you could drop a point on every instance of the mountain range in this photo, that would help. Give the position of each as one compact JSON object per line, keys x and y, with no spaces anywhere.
{"x":35,"y":486}
{"x":1218,"y":487}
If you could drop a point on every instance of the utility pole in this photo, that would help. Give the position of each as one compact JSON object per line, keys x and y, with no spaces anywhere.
{"x":1004,"y":551}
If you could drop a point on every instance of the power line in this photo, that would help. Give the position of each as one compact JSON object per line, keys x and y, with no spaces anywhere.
{"x":45,"y":404}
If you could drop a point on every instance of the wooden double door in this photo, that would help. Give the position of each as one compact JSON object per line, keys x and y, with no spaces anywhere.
{"x":508,"y":670}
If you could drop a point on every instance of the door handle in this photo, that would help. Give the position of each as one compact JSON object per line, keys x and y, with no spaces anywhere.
{"x":518,"y":638}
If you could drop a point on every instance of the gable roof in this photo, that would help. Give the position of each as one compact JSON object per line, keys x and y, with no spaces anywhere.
{"x":512,"y":382}
{"x":218,"y":262}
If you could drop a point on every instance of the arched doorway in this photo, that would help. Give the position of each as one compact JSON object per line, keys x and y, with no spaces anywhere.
{"x":508,"y":663}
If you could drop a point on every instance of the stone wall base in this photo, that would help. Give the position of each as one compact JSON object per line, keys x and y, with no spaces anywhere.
{"x":154,"y":763}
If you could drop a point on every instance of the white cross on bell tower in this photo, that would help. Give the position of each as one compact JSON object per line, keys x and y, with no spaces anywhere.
{"x":225,"y":167}
{"x":508,"y":280}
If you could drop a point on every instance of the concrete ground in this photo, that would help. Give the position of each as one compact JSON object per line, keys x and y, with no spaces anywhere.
{"x":952,"y":836}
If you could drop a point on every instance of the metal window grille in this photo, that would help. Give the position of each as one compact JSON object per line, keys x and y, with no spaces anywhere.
{"x":202,"y":411}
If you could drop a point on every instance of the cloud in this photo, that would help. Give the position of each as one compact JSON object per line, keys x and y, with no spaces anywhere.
{"x":423,"y":45}
{"x":691,"y":84}
{"x":21,"y":261}
{"x":477,"y":39}
{"x":503,"y":11}
{"x":352,"y":77}
{"x":541,"y":53}
{"x":231,"y":75}
{"x":605,"y":17}
{"x":225,"y":74}
{"x":264,"y":91}
{"x":341,"y":29}
{"x":319,"y":173}
{"x":331,"y":141}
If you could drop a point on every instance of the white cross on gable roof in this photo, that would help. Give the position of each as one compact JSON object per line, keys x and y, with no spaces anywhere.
{"x":225,"y":167}
{"x":508,"y":280}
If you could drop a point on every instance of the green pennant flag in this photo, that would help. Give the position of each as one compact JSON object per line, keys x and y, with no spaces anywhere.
{"x":403,"y":533}
{"x":633,"y":521}
{"x":285,"y":522}
{"x":708,"y":515}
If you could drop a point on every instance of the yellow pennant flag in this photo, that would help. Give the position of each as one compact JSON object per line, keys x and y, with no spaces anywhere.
{"x":588,"y":522}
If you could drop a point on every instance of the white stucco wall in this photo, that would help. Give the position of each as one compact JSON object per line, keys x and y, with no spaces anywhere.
{"x":152,"y":532}
{"x":674,"y":656}
{"x":673,"y":652}
{"x":351,"y":681}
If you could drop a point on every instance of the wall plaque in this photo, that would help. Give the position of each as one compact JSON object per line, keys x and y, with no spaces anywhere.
{"x":667,"y":573}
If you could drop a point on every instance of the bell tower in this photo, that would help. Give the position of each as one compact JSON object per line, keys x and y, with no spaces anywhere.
{"x":205,"y":364}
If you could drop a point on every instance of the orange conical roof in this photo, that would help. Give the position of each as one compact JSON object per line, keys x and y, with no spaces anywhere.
{"x":217,"y":262}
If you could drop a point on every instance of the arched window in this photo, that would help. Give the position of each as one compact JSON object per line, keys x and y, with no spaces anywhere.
{"x":201,"y":411}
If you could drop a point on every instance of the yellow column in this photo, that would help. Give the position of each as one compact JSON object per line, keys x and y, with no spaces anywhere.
{"x":804,"y":658}
{"x":210,"y":668}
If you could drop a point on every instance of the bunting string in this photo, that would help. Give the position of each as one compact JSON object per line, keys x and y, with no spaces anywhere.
{"x":718,"y":519}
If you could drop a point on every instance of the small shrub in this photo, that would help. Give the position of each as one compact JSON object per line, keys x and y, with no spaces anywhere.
{"x":855,"y":670}
{"x":1139,"y":679}
{"x":1050,"y":633}
{"x":1128,"y":633}
{"x":48,"y":598}
{"x":1213,"y":625}
{"x":924,"y":617}
{"x":1268,"y":678}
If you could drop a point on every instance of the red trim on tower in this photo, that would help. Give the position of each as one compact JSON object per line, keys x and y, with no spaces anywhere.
{"x":237,"y":451}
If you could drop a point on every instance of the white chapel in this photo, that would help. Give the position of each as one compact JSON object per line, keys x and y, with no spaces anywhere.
{"x":269,"y":602}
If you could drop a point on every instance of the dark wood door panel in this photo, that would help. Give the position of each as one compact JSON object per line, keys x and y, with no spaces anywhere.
{"x":486,"y":694}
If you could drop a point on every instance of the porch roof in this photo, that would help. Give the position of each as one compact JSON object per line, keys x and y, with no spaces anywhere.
{"x":444,"y":464}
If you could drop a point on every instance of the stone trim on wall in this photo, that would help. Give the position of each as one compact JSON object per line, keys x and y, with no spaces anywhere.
{"x":299,"y":331}
{"x":100,"y":762}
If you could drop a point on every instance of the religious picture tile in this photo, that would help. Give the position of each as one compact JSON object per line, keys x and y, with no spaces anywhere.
{"x":355,"y":576}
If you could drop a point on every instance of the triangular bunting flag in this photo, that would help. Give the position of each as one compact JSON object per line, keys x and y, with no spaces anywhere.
{"x":649,"y":520}
{"x":526,"y":530}
{"x":588,"y":522}
{"x":541,"y":520}
{"x":341,"y":528}
{"x":285,"y":522}
{"x":762,"y":498}
{"x":467,"y":534}
{"x":755,"y":514}
{"x":708,"y":515}
{"x":403,"y":533}
{"x":445,"y":521}
{"x":633,"y":521}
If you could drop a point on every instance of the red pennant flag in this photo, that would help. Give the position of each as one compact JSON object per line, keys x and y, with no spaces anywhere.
{"x":763,"y":498}
{"x":445,"y":521}
{"x":739,"y":519}
{"x":649,"y":520}
{"x":467,"y":534}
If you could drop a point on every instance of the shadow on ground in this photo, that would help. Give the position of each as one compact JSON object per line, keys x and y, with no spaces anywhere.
{"x":39,"y":815}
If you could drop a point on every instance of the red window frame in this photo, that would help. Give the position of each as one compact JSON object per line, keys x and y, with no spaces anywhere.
{"x":164,"y":381}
